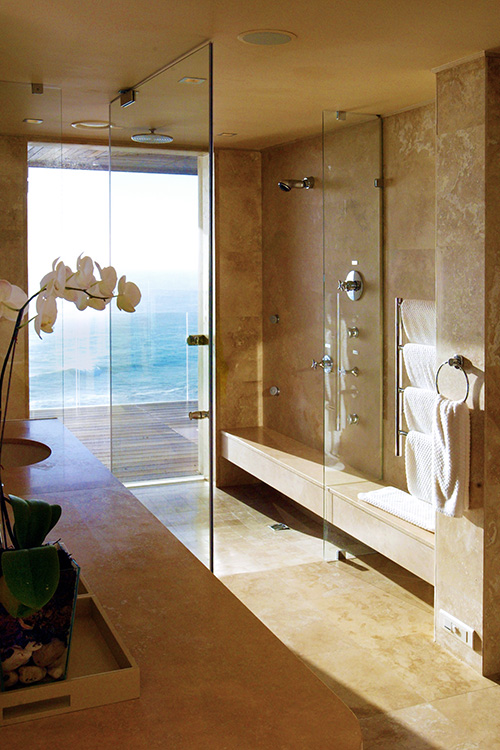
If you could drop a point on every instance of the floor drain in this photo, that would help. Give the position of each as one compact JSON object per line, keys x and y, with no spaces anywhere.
{"x":279,"y":527}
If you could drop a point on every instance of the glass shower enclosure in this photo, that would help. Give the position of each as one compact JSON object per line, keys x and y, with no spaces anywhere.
{"x":353,"y":325}
{"x":160,"y":225}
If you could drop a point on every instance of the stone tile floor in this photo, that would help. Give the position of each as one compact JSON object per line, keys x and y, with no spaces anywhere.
{"x":363,"y":625}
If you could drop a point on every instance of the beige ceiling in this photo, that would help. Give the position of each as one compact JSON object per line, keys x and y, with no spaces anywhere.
{"x":364,"y":55}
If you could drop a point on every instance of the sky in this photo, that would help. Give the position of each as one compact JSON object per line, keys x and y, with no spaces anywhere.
{"x":154,"y":222}
{"x":155,"y":242}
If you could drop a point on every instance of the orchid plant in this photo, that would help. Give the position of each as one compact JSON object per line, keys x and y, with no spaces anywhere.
{"x":29,"y":569}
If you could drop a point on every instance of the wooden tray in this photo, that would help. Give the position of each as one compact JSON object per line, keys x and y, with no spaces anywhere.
{"x":101,"y":671}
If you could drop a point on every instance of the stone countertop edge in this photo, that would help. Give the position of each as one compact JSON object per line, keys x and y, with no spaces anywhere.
{"x":212,"y":675}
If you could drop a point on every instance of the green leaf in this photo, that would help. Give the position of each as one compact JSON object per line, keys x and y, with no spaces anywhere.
{"x":21,"y":517}
{"x":33,"y":520}
{"x":11,"y":604}
{"x":30,"y":575}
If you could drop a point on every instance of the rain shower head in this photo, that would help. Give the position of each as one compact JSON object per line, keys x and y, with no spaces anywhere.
{"x":152,"y":137}
{"x":287,"y":185}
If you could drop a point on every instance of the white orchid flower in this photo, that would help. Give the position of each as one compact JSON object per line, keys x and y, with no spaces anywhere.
{"x":80,"y":299}
{"x":129,"y":295}
{"x":54,"y":283}
{"x":84,"y":276}
{"x":106,"y":286}
{"x":96,"y":304}
{"x":46,"y":309}
{"x":12,"y":298}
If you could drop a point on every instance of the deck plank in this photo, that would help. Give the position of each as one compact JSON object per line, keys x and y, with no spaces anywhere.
{"x":150,"y":441}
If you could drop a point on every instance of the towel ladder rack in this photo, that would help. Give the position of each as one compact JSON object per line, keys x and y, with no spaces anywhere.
{"x":399,"y":390}
{"x":458,"y":361}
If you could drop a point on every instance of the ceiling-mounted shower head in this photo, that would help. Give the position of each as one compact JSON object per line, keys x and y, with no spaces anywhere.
{"x":287,"y":185}
{"x":152,"y":137}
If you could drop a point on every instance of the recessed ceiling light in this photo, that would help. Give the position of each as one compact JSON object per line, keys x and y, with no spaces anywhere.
{"x":32,"y":121}
{"x":91,"y":124}
{"x":266,"y":37}
{"x":226,"y":135}
{"x":191,"y":79}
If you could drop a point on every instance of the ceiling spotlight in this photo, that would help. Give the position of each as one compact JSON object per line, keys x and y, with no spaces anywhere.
{"x":266,"y":37}
{"x":32,"y":121}
{"x":127,"y":97}
{"x":226,"y":135}
{"x":152,"y":137}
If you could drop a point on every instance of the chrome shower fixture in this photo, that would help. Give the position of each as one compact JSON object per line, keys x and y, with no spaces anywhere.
{"x":287,"y":185}
{"x":152,"y":137}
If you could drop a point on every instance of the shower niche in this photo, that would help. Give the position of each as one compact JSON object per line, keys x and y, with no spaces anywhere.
{"x":352,"y":314}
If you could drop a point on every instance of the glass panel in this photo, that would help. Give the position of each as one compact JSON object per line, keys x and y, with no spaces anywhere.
{"x":160,"y":238}
{"x":352,"y":313}
{"x":74,"y":387}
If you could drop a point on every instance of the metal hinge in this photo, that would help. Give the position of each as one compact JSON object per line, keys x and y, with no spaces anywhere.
{"x":199,"y":415}
{"x":198,"y":339}
{"x":378,"y":182}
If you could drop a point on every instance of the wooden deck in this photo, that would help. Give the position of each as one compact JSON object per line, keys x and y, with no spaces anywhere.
{"x":147,"y":442}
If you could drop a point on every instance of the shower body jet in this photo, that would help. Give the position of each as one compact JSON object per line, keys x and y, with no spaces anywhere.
{"x":287,"y":185}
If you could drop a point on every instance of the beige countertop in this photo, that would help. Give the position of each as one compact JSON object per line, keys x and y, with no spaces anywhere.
{"x":212,"y":675}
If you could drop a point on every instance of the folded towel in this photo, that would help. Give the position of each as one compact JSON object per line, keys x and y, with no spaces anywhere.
{"x":418,"y":407}
{"x":403,"y":505}
{"x":419,"y":321}
{"x":418,"y":462}
{"x":420,"y":363}
{"x":451,"y":456}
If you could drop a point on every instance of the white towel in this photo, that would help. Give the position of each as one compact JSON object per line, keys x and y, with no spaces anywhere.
{"x":420,"y":363}
{"x":403,"y":505}
{"x":451,"y":457}
{"x":418,"y":462}
{"x":418,"y":407}
{"x":419,"y":321}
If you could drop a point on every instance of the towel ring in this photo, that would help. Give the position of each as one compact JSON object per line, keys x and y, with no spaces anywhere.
{"x":457,"y":361}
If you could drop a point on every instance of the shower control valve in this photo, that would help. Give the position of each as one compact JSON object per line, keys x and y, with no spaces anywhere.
{"x":352,"y":419}
{"x":353,"y":332}
{"x":354,"y":371}
{"x":326,"y":363}
{"x":353,"y":285}
{"x":349,"y":286}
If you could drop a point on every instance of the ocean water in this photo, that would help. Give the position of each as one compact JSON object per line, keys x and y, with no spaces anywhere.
{"x":150,"y":360}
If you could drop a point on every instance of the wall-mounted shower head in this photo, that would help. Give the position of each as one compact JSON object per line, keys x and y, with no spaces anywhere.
{"x":287,"y":185}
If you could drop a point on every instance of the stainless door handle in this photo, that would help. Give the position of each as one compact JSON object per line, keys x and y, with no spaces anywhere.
{"x":197,"y":339}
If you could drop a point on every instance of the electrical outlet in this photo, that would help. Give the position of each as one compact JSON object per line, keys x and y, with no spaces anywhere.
{"x":457,"y":628}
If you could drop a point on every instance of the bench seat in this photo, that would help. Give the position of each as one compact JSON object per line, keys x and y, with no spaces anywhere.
{"x":297,"y":471}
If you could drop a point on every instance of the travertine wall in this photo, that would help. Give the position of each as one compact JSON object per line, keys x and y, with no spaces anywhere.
{"x":13,"y":257}
{"x":491,"y":577}
{"x":292,"y":257}
{"x":468,"y":297}
{"x":409,"y":241}
{"x":292,"y":270}
{"x":238,"y":275}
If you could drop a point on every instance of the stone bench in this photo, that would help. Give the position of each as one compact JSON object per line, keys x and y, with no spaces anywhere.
{"x":297,"y":471}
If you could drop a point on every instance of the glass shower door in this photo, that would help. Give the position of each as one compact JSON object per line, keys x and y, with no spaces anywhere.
{"x":352,"y":153}
{"x":161,"y":194}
